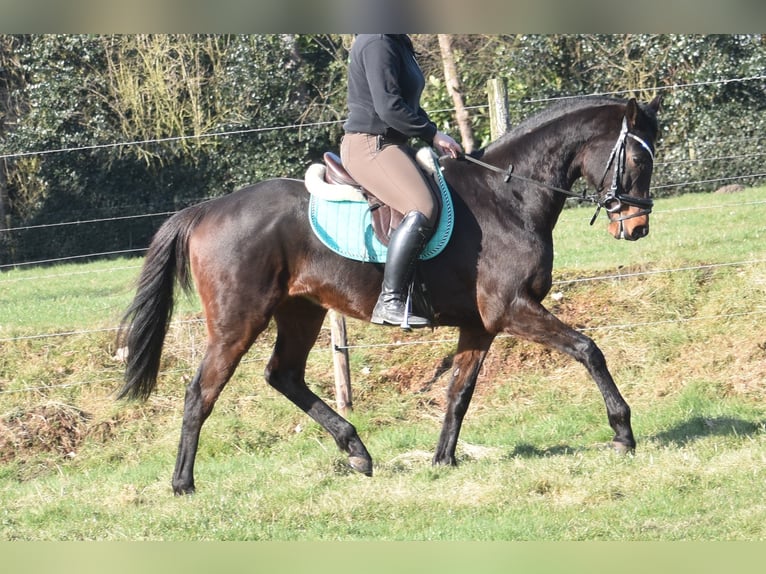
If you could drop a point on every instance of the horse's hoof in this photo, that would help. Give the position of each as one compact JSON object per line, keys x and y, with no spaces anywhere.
{"x":182,"y":490}
{"x":361,"y":464}
{"x":444,"y":461}
{"x":622,"y":448}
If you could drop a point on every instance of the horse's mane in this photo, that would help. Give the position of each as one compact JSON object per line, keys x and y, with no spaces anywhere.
{"x":552,"y":113}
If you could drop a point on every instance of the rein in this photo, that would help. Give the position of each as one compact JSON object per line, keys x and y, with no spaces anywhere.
{"x":613,"y":199}
{"x":508,"y":174}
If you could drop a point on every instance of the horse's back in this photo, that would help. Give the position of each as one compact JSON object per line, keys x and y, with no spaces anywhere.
{"x":252,"y":214}
{"x":248,"y":230}
{"x":268,"y":200}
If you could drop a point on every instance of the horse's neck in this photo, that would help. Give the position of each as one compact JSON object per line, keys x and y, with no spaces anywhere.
{"x":532,"y":157}
{"x":534,"y":154}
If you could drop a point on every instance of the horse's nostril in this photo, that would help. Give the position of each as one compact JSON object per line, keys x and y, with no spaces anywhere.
{"x":640,"y":231}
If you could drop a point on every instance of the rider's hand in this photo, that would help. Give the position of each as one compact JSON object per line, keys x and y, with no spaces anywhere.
{"x":446,"y":145}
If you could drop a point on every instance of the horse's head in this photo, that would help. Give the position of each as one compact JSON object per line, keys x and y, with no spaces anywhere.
{"x":622,"y":182}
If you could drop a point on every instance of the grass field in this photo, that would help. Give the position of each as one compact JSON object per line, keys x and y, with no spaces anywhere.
{"x":679,"y":316}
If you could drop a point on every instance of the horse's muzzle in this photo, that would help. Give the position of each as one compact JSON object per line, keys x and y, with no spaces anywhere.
{"x":631,"y":226}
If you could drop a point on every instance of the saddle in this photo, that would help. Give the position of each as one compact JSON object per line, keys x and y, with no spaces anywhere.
{"x":356,"y":224}
{"x":384,"y":218}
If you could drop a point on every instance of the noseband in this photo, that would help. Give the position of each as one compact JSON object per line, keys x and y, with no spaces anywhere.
{"x":614,"y":198}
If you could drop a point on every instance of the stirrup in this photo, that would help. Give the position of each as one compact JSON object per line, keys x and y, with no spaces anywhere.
{"x":398,"y":316}
{"x":405,"y":324}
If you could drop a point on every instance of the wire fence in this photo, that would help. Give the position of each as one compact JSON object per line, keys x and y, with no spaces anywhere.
{"x":304,"y":125}
{"x":163,"y":213}
{"x":169,"y":213}
{"x":99,"y":225}
{"x":139,"y":251}
{"x":595,"y":278}
{"x":108,"y":376}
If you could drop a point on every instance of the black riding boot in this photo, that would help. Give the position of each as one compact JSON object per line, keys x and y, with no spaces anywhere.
{"x":405,"y":245}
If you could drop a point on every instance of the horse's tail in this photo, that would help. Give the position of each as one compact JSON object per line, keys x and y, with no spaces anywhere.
{"x":145,"y":323}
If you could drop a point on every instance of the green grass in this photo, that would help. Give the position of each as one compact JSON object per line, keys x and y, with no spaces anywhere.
{"x":688,"y":481}
{"x":721,"y":228}
{"x":687,"y":349}
{"x":69,"y":297}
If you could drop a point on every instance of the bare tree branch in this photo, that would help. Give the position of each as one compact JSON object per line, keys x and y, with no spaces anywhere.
{"x":452,"y":81}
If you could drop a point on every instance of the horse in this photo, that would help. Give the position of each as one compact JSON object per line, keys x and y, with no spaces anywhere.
{"x":252,"y":257}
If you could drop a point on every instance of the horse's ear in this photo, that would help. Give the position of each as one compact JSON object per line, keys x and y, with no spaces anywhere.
{"x":631,"y":112}
{"x":655,"y":103}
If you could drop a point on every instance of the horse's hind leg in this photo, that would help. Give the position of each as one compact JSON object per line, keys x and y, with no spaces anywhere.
{"x":472,"y":348}
{"x":221,"y":359}
{"x":298,"y":324}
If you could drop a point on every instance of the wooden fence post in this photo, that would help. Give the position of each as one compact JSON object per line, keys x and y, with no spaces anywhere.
{"x":497,"y":94}
{"x":339,"y":343}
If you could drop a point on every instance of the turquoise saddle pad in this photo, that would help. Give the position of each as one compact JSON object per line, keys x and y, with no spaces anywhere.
{"x":346,"y":226}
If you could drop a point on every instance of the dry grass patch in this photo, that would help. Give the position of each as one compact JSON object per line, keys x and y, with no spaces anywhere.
{"x":50,"y":427}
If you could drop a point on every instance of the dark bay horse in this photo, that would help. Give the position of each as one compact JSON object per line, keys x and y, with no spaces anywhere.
{"x":252,"y":257}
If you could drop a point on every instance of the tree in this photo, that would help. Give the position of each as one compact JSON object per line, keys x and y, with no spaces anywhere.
{"x":11,"y":79}
{"x":92,"y":92}
{"x":705,"y":114}
{"x":281,"y":100}
{"x":452,"y":81}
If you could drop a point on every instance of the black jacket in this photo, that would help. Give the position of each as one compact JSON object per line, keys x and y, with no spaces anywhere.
{"x":384,"y":88}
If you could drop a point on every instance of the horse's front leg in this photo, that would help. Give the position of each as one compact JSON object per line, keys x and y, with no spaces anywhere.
{"x":299,"y":321}
{"x":471,"y":350}
{"x":532,"y":321}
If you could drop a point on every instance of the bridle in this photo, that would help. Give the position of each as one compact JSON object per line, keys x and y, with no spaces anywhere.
{"x":614,"y":199}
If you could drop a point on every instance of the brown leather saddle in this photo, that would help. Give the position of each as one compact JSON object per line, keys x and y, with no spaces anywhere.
{"x":384,"y":218}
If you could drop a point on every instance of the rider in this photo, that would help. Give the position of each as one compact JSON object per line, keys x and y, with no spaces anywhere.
{"x":384,"y":88}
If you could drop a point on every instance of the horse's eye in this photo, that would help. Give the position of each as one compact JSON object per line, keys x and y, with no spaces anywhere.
{"x":639,"y":160}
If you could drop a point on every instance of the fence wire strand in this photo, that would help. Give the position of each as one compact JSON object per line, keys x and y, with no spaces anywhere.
{"x":401,"y":343}
{"x":300,"y":125}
